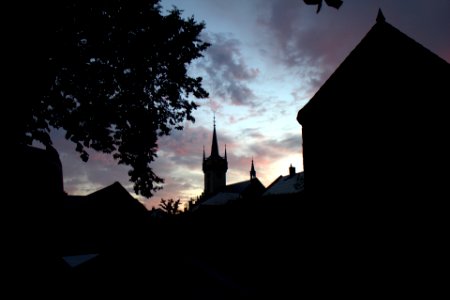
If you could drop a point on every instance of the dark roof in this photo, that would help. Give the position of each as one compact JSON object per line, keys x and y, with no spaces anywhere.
{"x":237,"y":187}
{"x":221,"y":198}
{"x":274,"y":182}
{"x":116,"y":194}
{"x":383,"y":58}
{"x":241,"y":187}
{"x":105,"y":216}
{"x":289,"y":184}
{"x":112,"y":197}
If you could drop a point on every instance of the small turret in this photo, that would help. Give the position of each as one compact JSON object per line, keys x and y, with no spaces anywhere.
{"x":252,"y":171}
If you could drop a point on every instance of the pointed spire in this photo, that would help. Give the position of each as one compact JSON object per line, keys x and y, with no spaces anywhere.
{"x":225,"y":152}
{"x":252,"y":171}
{"x":214,"y":146}
{"x":204,"y":156}
{"x":380,"y":16}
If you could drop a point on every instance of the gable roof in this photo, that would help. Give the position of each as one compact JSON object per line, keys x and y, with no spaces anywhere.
{"x":221,"y":199}
{"x":383,"y":58}
{"x":244,"y":186}
{"x":289,"y":184}
{"x":243,"y":189}
{"x":105,"y":216}
{"x":113,"y":197}
{"x":237,"y":187}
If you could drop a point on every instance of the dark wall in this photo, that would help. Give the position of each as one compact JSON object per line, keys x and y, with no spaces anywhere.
{"x":378,"y":128}
{"x":36,"y":192}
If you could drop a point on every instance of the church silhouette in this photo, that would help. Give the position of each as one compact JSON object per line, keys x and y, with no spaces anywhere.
{"x":216,"y":191}
{"x":214,"y":167}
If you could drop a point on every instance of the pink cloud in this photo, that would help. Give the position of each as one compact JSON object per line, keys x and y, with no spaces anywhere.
{"x":180,"y":162}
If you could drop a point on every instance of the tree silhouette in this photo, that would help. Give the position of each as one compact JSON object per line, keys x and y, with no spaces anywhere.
{"x":112,"y":74}
{"x":333,"y":3}
{"x":170,"y":206}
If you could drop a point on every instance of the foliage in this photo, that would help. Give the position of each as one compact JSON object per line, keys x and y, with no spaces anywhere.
{"x":112,"y":74}
{"x":333,"y":3}
{"x":170,"y":206}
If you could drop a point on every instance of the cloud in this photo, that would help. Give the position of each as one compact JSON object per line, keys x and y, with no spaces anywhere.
{"x":186,"y":145}
{"x":253,"y":133}
{"x":180,"y":157}
{"x":179,"y":162}
{"x":309,"y":45}
{"x":427,"y":22}
{"x":82,"y":178}
{"x":274,"y":149}
{"x":227,"y":73}
{"x":215,"y":105}
{"x":279,"y":54}
{"x":271,"y":156}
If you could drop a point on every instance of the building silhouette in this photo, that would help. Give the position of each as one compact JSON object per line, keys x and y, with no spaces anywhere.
{"x":375,"y":165}
{"x":215,"y":168}
{"x":375,"y":129}
{"x":291,"y":184}
{"x":216,"y":191}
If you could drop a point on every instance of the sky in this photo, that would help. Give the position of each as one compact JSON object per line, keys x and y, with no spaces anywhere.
{"x":266,"y":60}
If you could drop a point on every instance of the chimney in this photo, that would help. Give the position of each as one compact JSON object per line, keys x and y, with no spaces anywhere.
{"x":291,"y":170}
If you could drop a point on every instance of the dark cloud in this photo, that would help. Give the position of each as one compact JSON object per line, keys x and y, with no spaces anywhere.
{"x":179,"y":154}
{"x":175,"y":186}
{"x":227,"y":72}
{"x":254,"y":133}
{"x":180,"y":157}
{"x":186,"y":146}
{"x":276,"y":148}
{"x":214,"y":104}
{"x":267,"y":154}
{"x":308,"y":44}
{"x":83,"y":178}
{"x":312,"y":45}
{"x":428,"y":22}
{"x":179,"y":161}
{"x":303,"y":49}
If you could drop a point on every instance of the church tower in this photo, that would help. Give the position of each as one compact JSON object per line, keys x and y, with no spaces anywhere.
{"x":214,"y":167}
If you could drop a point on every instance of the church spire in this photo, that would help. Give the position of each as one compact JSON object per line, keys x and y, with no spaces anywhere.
{"x":225,"y":152}
{"x":214,"y":146}
{"x":215,"y":168}
{"x":204,"y":156}
{"x":252,"y":171}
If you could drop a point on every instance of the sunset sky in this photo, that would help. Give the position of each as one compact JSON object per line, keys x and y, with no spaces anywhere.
{"x":267,"y":59}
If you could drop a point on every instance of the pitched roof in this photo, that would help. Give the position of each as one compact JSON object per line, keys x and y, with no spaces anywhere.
{"x":221,"y":199}
{"x":237,"y":187}
{"x":231,"y":192}
{"x":289,"y":184}
{"x":91,"y":221}
{"x":114,"y":196}
{"x":381,"y":59}
{"x":243,"y":186}
{"x":76,"y":260}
